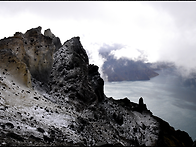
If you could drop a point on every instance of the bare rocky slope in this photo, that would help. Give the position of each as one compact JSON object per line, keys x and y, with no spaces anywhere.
{"x":51,"y":95}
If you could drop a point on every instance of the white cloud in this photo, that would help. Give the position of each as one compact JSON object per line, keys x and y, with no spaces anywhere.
{"x":163,"y":30}
{"x":127,"y":52}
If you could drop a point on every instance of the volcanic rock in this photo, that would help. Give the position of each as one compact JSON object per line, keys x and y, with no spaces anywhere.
{"x":34,"y":49}
{"x":56,"y":41}
{"x":13,"y":68}
{"x":69,"y":75}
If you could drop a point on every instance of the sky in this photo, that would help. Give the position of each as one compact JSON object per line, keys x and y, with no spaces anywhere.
{"x":160,"y":31}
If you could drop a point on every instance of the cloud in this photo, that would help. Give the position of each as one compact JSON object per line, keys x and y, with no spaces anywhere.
{"x":56,"y":10}
{"x":130,"y":53}
{"x":179,"y":43}
{"x":162,"y":30}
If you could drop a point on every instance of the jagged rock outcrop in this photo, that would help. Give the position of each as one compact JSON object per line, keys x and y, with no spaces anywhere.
{"x":96,"y":81}
{"x":69,"y":75}
{"x":34,"y":49}
{"x":56,"y":41}
{"x":68,"y":107}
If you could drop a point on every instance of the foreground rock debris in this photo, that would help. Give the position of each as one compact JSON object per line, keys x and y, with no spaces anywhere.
{"x":51,"y":95}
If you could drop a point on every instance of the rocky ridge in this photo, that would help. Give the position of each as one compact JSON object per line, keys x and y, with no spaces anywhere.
{"x":51,"y":95}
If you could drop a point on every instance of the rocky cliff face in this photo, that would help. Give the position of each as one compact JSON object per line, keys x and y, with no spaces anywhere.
{"x":58,"y":99}
{"x":69,"y":75}
{"x":34,"y":49}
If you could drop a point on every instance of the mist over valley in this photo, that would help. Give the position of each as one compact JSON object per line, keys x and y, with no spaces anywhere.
{"x":114,"y":67}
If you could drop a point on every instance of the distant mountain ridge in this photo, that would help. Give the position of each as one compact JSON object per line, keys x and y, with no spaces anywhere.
{"x":188,"y":81}
{"x":124,"y":69}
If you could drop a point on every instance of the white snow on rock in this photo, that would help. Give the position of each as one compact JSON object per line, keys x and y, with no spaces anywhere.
{"x":30,"y":110}
{"x":26,"y":109}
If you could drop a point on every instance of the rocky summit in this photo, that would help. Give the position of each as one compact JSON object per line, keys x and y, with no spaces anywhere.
{"x":51,"y":95}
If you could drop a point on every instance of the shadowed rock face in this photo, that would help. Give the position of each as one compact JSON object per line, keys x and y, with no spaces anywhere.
{"x":56,"y":41}
{"x":68,"y":107}
{"x":69,"y":75}
{"x":96,"y":81}
{"x":39,"y":54}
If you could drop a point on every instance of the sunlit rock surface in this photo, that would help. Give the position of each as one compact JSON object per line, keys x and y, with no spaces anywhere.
{"x":13,"y":69}
{"x":68,"y":106}
{"x":34,"y":49}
